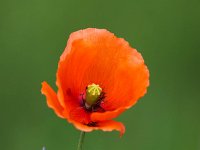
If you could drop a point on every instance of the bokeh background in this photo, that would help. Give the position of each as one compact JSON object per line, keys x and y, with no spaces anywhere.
{"x":33,"y":35}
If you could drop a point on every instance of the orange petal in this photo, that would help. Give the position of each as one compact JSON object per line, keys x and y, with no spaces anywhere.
{"x":52,"y":100}
{"x":108,"y":115}
{"x":70,"y":74}
{"x":79,"y":114}
{"x":109,"y":125}
{"x":131,"y":79}
{"x":112,"y":125}
{"x":81,"y":34}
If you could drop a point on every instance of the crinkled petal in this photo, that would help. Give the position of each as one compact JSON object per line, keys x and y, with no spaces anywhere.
{"x":52,"y":100}
{"x":109,"y":125}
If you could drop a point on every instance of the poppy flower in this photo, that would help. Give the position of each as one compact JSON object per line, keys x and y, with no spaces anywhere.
{"x":99,"y":76}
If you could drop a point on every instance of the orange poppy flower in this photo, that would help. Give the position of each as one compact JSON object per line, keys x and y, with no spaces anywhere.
{"x":99,"y":76}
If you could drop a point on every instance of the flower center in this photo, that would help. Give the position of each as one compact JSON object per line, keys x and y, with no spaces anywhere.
{"x":93,"y":93}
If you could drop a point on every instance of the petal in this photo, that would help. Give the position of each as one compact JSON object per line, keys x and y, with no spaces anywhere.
{"x":132,"y":86}
{"x":71,"y":70}
{"x":109,"y":125}
{"x":52,"y":100}
{"x":79,"y":114}
{"x":92,"y":33}
{"x":112,"y":125}
{"x":108,"y":115}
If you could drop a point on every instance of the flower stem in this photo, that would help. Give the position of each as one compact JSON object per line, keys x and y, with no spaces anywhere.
{"x":81,"y":140}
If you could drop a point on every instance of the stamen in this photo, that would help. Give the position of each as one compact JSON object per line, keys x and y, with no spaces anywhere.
{"x":92,"y":124}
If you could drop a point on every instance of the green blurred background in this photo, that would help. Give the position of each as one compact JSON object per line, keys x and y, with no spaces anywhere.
{"x":33,"y":35}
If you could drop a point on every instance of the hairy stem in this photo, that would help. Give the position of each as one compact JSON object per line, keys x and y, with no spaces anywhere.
{"x":81,"y":140}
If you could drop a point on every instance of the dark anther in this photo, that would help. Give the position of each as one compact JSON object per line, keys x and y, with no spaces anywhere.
{"x":100,"y":99}
{"x":92,"y":124}
{"x":95,"y":107}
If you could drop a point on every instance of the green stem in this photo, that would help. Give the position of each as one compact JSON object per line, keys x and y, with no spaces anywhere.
{"x":81,"y":140}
